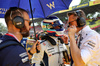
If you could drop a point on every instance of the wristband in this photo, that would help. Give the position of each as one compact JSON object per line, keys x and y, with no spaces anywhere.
{"x":30,"y":52}
{"x":67,"y":44}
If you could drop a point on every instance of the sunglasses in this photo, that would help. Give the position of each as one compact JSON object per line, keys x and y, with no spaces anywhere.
{"x":28,"y":21}
{"x":70,"y":23}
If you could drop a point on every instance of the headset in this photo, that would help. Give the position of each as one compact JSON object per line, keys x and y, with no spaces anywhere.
{"x":18,"y":21}
{"x":80,"y":20}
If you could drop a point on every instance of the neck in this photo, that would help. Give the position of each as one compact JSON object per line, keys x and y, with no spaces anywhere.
{"x":80,"y":28}
{"x":16,"y":32}
{"x":17,"y":35}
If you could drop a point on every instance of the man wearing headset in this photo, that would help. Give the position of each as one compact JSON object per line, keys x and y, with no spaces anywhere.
{"x":52,"y":47}
{"x":12,"y":53}
{"x":85,"y":51}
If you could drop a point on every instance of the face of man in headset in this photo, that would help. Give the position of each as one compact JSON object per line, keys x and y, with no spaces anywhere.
{"x":72,"y":21}
{"x":25,"y":30}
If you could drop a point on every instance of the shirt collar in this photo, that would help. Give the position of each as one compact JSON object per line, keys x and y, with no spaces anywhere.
{"x":12,"y":35}
{"x":84,"y":30}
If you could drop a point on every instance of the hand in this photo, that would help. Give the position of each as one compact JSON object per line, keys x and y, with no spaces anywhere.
{"x":65,"y":39}
{"x":65,"y":63}
{"x":72,"y":30}
{"x":33,"y":49}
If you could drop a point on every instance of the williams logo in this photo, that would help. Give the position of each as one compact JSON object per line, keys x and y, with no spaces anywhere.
{"x":51,"y":5}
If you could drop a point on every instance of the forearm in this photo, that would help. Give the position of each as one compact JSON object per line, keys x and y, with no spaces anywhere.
{"x":29,"y":55}
{"x":33,"y":49}
{"x":75,"y":52}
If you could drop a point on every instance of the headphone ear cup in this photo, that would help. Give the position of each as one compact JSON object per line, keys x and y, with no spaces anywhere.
{"x":18,"y":22}
{"x":78,"y":22}
{"x":81,"y":22}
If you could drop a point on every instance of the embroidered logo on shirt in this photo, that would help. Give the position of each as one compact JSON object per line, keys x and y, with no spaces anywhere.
{"x":50,"y":55}
{"x":23,"y":54}
{"x":44,"y":44}
{"x":90,"y":44}
{"x":24,"y":57}
{"x":0,"y":41}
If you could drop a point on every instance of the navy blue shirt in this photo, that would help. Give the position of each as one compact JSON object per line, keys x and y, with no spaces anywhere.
{"x":14,"y":55}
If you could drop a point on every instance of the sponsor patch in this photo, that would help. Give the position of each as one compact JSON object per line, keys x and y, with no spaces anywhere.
{"x":0,"y":41}
{"x":90,"y":44}
{"x":23,"y":54}
{"x":44,"y":44}
{"x":50,"y":55}
{"x":25,"y":59}
{"x":50,"y":49}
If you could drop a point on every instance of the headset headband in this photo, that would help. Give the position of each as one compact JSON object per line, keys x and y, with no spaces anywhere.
{"x":14,"y":9}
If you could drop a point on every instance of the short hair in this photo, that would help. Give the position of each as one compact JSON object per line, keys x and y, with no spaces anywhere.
{"x":14,"y":13}
{"x":75,"y":14}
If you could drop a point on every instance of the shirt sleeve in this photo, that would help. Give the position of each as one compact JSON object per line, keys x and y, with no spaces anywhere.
{"x":88,"y":48}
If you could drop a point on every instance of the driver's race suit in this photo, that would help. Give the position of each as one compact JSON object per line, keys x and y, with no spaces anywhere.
{"x":50,"y":55}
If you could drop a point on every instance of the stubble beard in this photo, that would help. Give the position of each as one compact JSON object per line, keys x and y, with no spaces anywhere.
{"x":24,"y":32}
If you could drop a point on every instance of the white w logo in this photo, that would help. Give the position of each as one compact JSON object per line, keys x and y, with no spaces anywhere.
{"x":50,"y":5}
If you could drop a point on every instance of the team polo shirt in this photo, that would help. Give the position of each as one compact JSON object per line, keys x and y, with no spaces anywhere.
{"x":14,"y":55}
{"x":90,"y":47}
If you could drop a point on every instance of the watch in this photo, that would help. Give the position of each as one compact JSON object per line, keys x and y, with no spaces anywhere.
{"x":30,"y":52}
